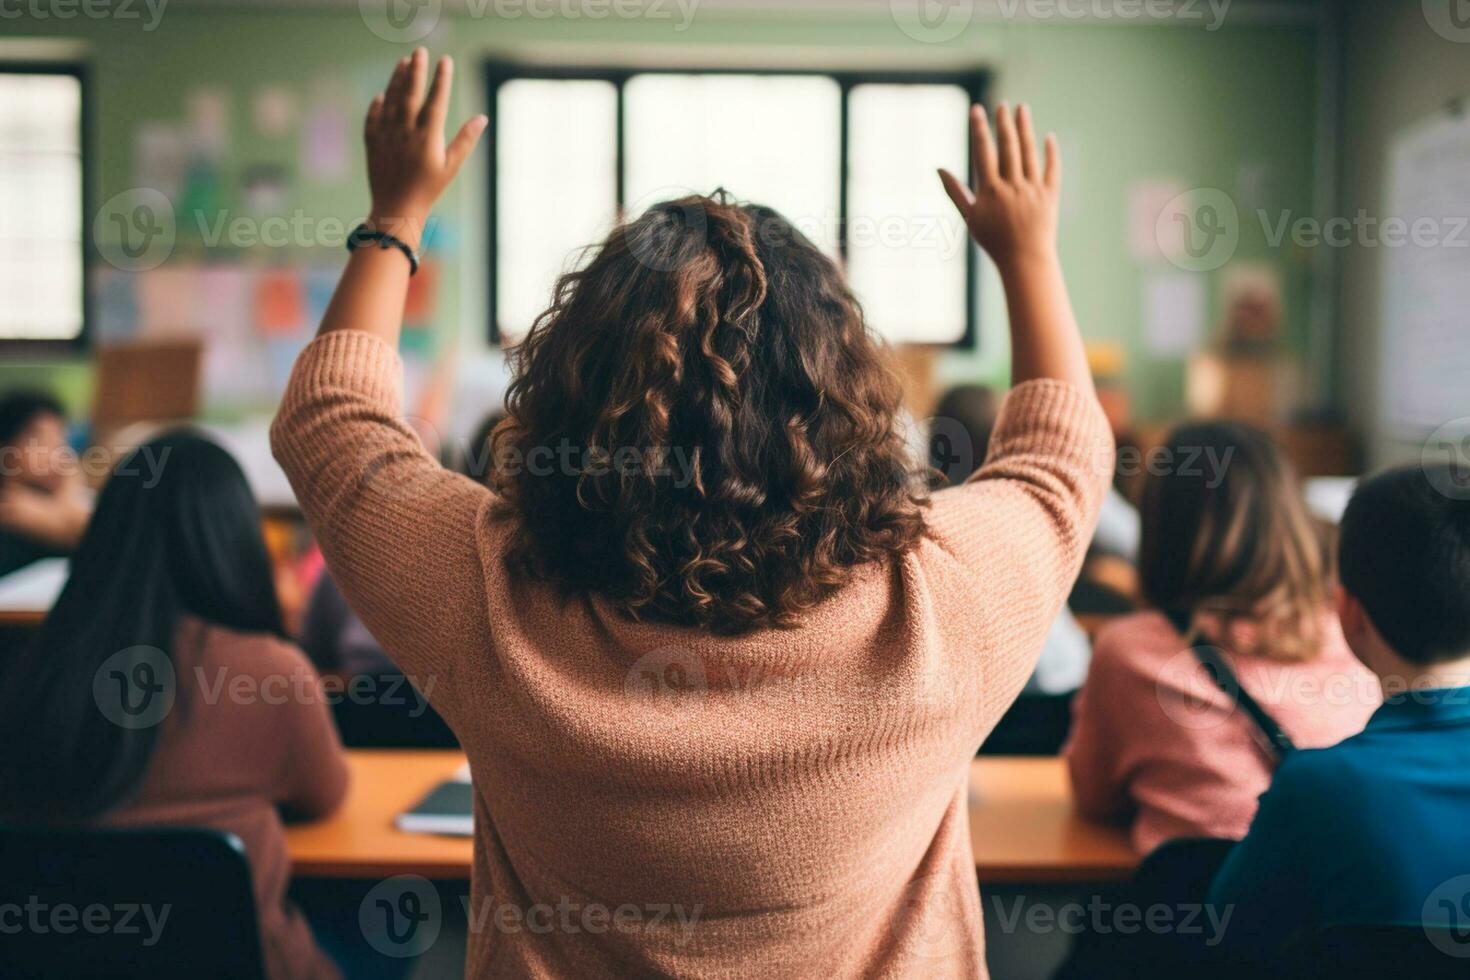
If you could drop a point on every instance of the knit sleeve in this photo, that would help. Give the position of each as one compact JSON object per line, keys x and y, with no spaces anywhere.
{"x":398,"y":531}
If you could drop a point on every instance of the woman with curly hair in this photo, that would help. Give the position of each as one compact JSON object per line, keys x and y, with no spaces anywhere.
{"x":719,"y":661}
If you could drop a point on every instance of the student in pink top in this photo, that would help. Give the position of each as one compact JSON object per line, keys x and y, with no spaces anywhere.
{"x":1228,"y":548}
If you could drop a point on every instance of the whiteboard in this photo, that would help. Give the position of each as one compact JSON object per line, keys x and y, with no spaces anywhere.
{"x":1426,"y":295}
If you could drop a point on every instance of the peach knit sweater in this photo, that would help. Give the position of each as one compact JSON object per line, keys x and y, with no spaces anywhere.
{"x":652,"y":800}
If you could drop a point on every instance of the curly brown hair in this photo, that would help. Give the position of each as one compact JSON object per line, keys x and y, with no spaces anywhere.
{"x":701,"y":429}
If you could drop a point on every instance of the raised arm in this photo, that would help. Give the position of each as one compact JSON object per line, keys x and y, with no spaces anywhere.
{"x":1020,"y":527}
{"x":398,"y":531}
{"x":409,"y":166}
{"x":1011,"y":210}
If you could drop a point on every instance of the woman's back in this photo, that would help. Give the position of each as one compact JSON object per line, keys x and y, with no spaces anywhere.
{"x":673,"y":800}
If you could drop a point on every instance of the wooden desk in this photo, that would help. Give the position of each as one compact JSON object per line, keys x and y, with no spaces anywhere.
{"x":1021,"y":825}
{"x":26,"y":618}
{"x":1024,"y":831}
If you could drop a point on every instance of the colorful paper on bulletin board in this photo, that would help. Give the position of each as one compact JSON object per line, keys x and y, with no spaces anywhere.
{"x":325,"y":143}
{"x":265,"y":189}
{"x":201,"y":205}
{"x":236,"y":372}
{"x":1147,"y":201}
{"x":209,"y":122}
{"x":321,"y":283}
{"x":273,"y":109}
{"x":416,"y":342}
{"x":225,"y":291}
{"x":281,"y":354}
{"x":440,"y":235}
{"x":168,"y":301}
{"x":1175,"y":307}
{"x":423,"y":295}
{"x":116,"y":300}
{"x":160,"y":156}
{"x":280,"y":303}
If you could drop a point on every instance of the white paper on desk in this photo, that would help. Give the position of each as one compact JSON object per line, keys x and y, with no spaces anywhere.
{"x":1174,"y":310}
{"x":35,"y":587}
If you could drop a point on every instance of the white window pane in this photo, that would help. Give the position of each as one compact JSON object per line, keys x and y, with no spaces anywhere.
{"x":40,"y":113}
{"x":907,"y":248}
{"x":772,"y":139}
{"x":40,"y":206}
{"x":556,"y":165}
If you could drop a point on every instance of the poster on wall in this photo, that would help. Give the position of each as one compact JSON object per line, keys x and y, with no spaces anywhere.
{"x":1425,"y":238}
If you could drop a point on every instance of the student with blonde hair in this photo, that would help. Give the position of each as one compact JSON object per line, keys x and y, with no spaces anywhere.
{"x":1237,"y":574}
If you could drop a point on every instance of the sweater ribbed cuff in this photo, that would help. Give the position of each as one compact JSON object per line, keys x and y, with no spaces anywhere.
{"x":1057,"y":418}
{"x":351,"y":359}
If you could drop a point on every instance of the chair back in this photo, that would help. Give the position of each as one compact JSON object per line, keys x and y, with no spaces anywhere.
{"x":81,"y":903}
{"x":1364,"y":951}
{"x":396,"y":716}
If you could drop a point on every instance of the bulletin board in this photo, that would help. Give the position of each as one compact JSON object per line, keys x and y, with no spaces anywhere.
{"x":1426,"y":268}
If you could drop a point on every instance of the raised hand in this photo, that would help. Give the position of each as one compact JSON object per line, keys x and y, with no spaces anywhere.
{"x":409,"y":164}
{"x":1012,"y":208}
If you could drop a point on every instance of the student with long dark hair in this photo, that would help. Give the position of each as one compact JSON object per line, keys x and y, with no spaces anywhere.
{"x":161,"y":690}
{"x":720,"y":667}
{"x":1230,"y":558}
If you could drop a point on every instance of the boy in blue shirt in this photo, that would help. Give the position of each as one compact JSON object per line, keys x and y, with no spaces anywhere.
{"x":1376,"y":829}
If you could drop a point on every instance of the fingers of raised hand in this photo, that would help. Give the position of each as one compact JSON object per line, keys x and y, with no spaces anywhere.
{"x":374,"y":118}
{"x":464,"y":142}
{"x":418,"y":79}
{"x":1030,"y":167}
{"x":982,"y":150}
{"x":1010,"y":144}
{"x":393,"y":95}
{"x":957,"y":191}
{"x":436,"y":104}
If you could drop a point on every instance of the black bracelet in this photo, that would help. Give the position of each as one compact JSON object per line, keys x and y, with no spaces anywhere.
{"x":363,"y":235}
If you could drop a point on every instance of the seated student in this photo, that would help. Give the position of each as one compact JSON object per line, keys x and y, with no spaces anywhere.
{"x":43,"y":505}
{"x":1374,"y":830}
{"x":173,"y":580}
{"x":967,"y":414}
{"x":1229,"y":558}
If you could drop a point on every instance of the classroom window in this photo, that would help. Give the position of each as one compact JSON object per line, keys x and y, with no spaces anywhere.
{"x":41,"y":210}
{"x":848,"y":158}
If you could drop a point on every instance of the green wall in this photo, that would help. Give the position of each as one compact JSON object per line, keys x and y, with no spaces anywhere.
{"x":1129,"y":102}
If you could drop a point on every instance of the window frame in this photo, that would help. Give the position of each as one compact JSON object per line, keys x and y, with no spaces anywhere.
{"x":975,"y":84}
{"x":10,"y":347}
